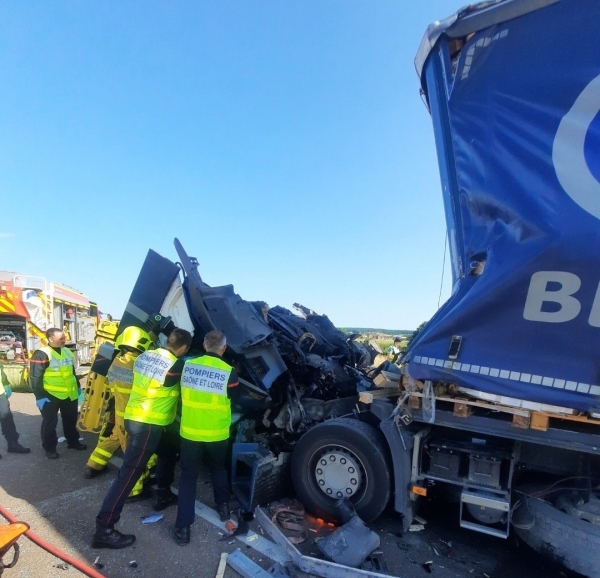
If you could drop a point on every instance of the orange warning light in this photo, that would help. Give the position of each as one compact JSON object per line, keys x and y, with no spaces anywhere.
{"x":419,"y":491}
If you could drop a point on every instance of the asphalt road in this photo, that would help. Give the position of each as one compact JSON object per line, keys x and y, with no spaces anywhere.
{"x":60,"y":505}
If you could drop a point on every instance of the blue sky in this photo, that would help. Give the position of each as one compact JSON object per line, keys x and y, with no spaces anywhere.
{"x":284,"y":143}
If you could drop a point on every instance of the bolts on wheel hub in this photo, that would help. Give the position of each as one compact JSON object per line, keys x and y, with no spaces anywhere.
{"x":338,"y":473}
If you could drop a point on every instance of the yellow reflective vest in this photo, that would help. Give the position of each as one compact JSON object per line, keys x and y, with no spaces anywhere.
{"x":59,"y":380}
{"x":120,"y":379}
{"x":151,"y":402}
{"x":3,"y":380}
{"x":206,"y":409}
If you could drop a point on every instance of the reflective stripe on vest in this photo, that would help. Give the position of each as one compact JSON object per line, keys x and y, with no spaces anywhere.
{"x":58,"y":378}
{"x":206,"y":410}
{"x":151,"y":402}
{"x":120,"y":380}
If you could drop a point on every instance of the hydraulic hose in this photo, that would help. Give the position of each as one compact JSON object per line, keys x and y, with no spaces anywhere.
{"x":81,"y":566}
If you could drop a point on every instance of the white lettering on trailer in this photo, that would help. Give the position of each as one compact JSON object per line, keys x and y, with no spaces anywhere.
{"x":568,"y":155}
{"x":538,"y":294}
{"x":561,"y":294}
{"x":594,"y":319}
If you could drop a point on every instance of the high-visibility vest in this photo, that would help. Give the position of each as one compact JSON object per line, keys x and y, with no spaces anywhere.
{"x":3,"y":379}
{"x":206,"y":409}
{"x":120,"y":380}
{"x":58,"y":379}
{"x":151,"y":402}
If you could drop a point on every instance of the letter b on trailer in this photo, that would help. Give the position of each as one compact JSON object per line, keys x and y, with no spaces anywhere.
{"x":552,"y":290}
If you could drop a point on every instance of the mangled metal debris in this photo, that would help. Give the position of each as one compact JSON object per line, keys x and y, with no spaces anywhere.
{"x":308,"y":564}
{"x":246,"y":567}
{"x":350,"y":544}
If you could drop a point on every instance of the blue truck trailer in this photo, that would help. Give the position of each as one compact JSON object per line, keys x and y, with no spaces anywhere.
{"x":497,"y":399}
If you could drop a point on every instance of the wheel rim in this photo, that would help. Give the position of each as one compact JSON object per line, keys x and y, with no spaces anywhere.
{"x":338,"y":473}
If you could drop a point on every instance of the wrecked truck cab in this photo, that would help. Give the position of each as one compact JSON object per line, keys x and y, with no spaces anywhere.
{"x":296,"y":370}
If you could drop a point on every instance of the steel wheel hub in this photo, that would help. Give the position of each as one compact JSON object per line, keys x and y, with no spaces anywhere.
{"x":338,"y":473}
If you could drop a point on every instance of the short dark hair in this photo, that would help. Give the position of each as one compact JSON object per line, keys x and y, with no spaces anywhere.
{"x":397,"y":340}
{"x":179,"y":337}
{"x":50,"y":332}
{"x":214,"y":341}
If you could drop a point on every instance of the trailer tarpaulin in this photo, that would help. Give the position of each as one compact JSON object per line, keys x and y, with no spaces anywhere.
{"x":518,"y":135}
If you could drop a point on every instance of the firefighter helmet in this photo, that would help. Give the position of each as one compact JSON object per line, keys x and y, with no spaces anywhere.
{"x":134,"y":337}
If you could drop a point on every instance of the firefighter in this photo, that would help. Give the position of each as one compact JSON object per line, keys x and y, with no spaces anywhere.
{"x":205,"y":423}
{"x":7,"y":421}
{"x":53,"y":381}
{"x":152,"y":406}
{"x":130,"y":344}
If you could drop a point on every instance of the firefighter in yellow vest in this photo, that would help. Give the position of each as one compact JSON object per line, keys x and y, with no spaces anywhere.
{"x":53,"y":381}
{"x":205,"y":422}
{"x":152,"y":405}
{"x":131,"y":343}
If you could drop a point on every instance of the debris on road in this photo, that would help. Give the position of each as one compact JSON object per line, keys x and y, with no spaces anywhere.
{"x":98,"y":564}
{"x":449,"y":546}
{"x":350,"y":544}
{"x":289,"y":516}
{"x":152,"y":518}
{"x":304,"y":563}
{"x":246,"y":567}
{"x":279,"y":571}
{"x":416,"y":527}
{"x":222,"y":565}
{"x":230,"y":526}
{"x":242,"y":527}
{"x":375,"y":563}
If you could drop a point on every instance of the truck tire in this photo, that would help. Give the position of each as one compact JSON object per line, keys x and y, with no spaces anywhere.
{"x":342,"y":458}
{"x":564,"y":539}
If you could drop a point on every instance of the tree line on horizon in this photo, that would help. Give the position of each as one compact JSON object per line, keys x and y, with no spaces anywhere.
{"x":390,"y":332}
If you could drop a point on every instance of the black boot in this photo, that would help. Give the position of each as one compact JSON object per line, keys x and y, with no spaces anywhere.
{"x":223,"y":510}
{"x":17,"y":448}
{"x":78,"y":446}
{"x":92,"y":473}
{"x":163,"y":500}
{"x":181,"y":535}
{"x":111,"y":538}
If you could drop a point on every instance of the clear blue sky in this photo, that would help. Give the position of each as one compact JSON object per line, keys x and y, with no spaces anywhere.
{"x":283,"y":142}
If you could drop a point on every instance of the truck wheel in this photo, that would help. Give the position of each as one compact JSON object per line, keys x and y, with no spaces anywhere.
{"x":342,"y":458}
{"x":565,"y":539}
